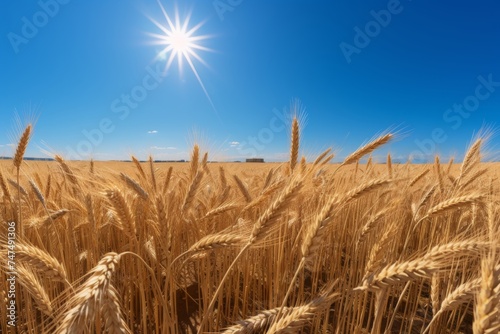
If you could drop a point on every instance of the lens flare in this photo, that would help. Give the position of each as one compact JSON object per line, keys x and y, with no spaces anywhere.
{"x":180,"y":42}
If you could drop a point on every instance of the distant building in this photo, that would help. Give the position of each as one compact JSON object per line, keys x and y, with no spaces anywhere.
{"x":255,"y":160}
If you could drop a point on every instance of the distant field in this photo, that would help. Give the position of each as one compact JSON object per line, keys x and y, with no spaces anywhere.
{"x":309,"y":247}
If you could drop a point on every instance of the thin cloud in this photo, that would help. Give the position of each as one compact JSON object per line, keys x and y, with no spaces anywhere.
{"x":153,"y":131}
{"x":234,"y":143}
{"x":163,"y":148}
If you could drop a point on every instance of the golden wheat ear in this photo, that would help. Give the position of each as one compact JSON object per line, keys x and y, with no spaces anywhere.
{"x":367,"y":149}
{"x":294,"y":146}
{"x":22,"y":146}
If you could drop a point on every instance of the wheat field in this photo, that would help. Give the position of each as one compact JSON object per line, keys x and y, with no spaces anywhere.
{"x":297,"y":247}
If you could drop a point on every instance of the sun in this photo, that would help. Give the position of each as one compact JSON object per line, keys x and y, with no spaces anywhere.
{"x":180,"y":42}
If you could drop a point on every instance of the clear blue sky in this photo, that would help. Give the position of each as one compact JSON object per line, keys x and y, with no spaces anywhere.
{"x":89,"y":71}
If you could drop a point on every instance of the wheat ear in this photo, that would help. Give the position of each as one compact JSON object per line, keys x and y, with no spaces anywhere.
{"x":67,"y":170}
{"x":243,"y":188}
{"x":486,"y":313}
{"x":81,"y":309}
{"x":114,"y":323}
{"x":299,"y":316}
{"x":21,"y":146}
{"x":138,"y":165}
{"x":32,"y":284}
{"x":257,"y":323}
{"x":167,"y":179}
{"x":135,"y":186}
{"x":16,"y":185}
{"x":42,"y":261}
{"x":5,"y":187}
{"x":471,"y":158}
{"x":418,"y":177}
{"x":191,"y":193}
{"x":294,"y":147}
{"x":366,"y":149}
{"x":452,"y":204}
{"x":193,"y":165}
{"x":389,"y":165}
{"x":464,"y":293}
{"x":122,"y":210}
{"x":17,"y":160}
{"x":37,"y":192}
{"x":320,"y":157}
{"x":439,"y":175}
{"x":152,"y":171}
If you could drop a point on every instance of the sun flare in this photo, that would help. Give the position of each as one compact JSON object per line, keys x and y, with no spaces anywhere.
{"x":180,"y":41}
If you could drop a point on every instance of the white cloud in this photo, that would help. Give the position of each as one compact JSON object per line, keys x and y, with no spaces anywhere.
{"x":163,"y":148}
{"x":234,"y":143}
{"x":153,"y":131}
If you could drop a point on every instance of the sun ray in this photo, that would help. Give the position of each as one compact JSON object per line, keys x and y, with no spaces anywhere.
{"x":201,"y":82}
{"x":180,"y":43}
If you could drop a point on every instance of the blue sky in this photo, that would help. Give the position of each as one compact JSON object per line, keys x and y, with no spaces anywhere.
{"x":88,"y":70}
